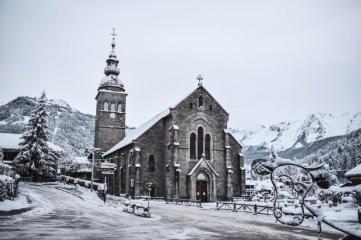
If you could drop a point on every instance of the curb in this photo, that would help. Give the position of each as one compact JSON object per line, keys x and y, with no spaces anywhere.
{"x":15,"y":211}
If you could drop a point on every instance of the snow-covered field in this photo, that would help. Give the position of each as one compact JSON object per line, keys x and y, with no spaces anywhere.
{"x":61,"y":214}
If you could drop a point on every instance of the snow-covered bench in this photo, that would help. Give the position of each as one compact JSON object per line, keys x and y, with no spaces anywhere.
{"x":136,"y":209}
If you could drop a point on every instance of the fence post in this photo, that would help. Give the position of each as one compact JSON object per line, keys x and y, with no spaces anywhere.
{"x":217,"y":205}
{"x":234,"y":207}
{"x":255,"y":209}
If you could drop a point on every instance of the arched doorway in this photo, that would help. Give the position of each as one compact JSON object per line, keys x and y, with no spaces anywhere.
{"x":202,"y":188}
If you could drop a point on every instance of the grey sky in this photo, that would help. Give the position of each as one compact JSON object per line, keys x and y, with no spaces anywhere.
{"x":265,"y":61}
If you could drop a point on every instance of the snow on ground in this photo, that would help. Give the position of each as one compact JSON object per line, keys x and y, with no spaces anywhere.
{"x":63,"y":215}
{"x":18,"y":203}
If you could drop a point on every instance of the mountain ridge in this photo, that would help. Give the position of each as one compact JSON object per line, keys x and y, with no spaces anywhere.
{"x":68,"y":128}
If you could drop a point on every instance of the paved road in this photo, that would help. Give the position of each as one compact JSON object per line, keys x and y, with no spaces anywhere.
{"x":60,"y":215}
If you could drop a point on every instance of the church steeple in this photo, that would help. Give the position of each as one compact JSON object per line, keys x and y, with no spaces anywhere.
{"x":111,"y":105}
{"x":111,"y":71}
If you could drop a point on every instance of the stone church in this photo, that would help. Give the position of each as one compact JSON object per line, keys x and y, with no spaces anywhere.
{"x":185,"y":151}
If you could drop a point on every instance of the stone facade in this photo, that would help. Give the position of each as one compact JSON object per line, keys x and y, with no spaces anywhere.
{"x":185,"y":151}
{"x":109,"y":123}
{"x":168,"y":141}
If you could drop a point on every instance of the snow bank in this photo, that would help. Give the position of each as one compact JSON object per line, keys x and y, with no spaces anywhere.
{"x":18,"y":203}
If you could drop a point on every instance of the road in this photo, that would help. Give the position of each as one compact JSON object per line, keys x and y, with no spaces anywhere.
{"x":60,"y":215}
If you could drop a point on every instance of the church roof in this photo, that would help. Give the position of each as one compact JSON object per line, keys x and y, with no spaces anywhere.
{"x":201,"y":86}
{"x":137,"y":132}
{"x":234,"y":137}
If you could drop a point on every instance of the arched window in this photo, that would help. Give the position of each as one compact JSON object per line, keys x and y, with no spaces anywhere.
{"x":190,"y":105}
{"x":192,"y":143}
{"x":119,"y":107}
{"x":112,"y":107}
{"x":208,"y":147}
{"x":200,"y":142}
{"x":200,"y":101}
{"x":210,"y":108}
{"x":106,"y":107}
{"x":151,"y":164}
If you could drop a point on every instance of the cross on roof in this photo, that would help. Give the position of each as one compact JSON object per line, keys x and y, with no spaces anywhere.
{"x":113,"y":33}
{"x":200,"y":80}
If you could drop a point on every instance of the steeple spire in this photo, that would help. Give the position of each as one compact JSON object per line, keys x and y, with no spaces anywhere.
{"x":111,"y":71}
{"x":113,"y":34}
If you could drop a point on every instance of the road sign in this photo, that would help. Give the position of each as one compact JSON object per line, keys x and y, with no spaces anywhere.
{"x":108,"y":172}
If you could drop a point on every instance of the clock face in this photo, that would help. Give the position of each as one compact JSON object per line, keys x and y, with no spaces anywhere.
{"x":112,"y":115}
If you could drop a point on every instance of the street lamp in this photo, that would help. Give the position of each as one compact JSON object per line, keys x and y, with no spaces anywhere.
{"x":149,"y":187}
{"x":93,"y":158}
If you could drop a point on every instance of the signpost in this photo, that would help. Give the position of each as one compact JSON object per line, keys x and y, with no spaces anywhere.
{"x":149,"y":187}
{"x":107,"y":169}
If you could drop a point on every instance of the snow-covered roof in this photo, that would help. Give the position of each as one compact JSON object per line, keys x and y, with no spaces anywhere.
{"x":354,"y":171}
{"x":111,"y":80}
{"x":81,"y":160}
{"x":12,"y":140}
{"x":55,"y":147}
{"x":234,"y":137}
{"x":136,"y":133}
{"x":111,"y":91}
{"x":356,"y":188}
{"x":9,"y":140}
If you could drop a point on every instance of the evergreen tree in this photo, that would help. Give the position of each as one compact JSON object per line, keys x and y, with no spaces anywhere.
{"x":1,"y":155}
{"x":36,"y":159}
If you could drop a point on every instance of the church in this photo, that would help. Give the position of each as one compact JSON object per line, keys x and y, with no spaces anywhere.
{"x":186,"y":151}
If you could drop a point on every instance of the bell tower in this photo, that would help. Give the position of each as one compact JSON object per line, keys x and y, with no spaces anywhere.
{"x":111,"y":105}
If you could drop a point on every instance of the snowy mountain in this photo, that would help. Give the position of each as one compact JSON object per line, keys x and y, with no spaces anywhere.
{"x":288,"y":135}
{"x":69,"y":128}
{"x":339,"y":152}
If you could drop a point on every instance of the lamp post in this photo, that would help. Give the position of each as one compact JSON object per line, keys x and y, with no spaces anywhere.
{"x":93,"y":159}
{"x":149,"y":187}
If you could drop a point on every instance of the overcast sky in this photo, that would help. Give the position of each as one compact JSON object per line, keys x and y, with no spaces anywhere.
{"x":264,"y":61}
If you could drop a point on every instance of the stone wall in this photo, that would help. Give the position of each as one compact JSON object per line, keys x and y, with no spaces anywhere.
{"x":156,"y":141}
{"x":109,"y":125}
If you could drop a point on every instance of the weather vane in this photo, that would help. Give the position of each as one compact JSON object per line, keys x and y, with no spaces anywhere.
{"x":200,"y":80}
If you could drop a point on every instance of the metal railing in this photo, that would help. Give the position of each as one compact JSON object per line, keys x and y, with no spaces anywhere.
{"x":185,"y":202}
{"x":244,"y":207}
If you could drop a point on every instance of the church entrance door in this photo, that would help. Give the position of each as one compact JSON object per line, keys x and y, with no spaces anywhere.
{"x":201,"y":191}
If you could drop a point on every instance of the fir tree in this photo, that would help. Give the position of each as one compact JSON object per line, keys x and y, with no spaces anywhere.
{"x":1,"y":155}
{"x":36,"y":159}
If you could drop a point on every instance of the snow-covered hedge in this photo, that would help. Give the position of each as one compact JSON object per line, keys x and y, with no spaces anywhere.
{"x":82,"y":182}
{"x":6,"y":189}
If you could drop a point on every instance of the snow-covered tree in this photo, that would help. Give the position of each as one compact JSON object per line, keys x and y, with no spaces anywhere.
{"x":36,"y":159}
{"x":1,"y":155}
